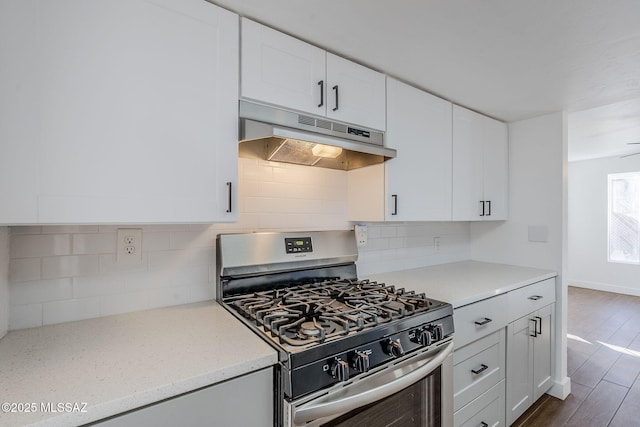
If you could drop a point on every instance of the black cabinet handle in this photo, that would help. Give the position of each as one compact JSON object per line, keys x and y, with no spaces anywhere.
{"x":335,"y":88}
{"x":321,"y":84}
{"x":535,"y":297}
{"x":489,"y":210}
{"x":483,"y":322}
{"x":230,"y":200}
{"x":538,"y":323}
{"x":481,"y":369}
{"x":535,"y":328}
{"x":482,"y":211}
{"x":483,"y":424}
{"x":395,"y":204}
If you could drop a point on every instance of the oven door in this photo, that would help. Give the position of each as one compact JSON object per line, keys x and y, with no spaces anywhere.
{"x":416,"y":391}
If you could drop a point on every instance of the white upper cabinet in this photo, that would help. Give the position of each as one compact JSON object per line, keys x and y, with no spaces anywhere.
{"x":281,"y":70}
{"x":419,"y":179}
{"x":417,"y":183}
{"x":356,"y":94}
{"x":135,"y":106}
{"x":480,"y":167}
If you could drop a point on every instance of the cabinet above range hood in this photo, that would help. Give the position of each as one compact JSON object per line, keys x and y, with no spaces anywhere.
{"x":283,"y":136}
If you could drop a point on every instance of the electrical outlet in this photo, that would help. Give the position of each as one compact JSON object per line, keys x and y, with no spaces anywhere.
{"x":436,"y":244}
{"x":361,"y":234}
{"x":129,"y":246}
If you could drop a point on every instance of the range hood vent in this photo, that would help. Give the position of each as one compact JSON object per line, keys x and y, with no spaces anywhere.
{"x":283,"y":136}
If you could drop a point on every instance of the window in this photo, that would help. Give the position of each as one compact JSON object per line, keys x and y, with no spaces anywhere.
{"x":624,"y":217}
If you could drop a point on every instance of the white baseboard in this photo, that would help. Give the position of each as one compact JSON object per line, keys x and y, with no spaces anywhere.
{"x":561,"y":389}
{"x":605,"y":287}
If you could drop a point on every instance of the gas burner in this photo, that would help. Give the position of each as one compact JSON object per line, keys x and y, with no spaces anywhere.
{"x":309,"y":329}
{"x":319,"y":311}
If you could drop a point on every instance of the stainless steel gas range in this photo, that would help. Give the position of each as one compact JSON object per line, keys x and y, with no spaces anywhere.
{"x":351,"y":352}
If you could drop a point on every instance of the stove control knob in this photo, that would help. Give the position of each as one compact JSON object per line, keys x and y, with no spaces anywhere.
{"x":340,"y":370}
{"x":394,"y":348}
{"x":360,"y":362}
{"x":437,"y":332}
{"x":423,"y":337}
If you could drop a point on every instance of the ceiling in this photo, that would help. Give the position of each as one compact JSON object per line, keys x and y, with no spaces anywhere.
{"x":510,"y":59}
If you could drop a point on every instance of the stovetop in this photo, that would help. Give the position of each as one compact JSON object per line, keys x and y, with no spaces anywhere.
{"x":300,"y":292}
{"x":300,"y":316}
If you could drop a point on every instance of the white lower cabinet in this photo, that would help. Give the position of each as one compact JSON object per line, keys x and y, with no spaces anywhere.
{"x":478,"y":367}
{"x":529,"y":360}
{"x":242,"y":401}
{"x":503,"y":359}
{"x":485,"y":411}
{"x":479,"y":363}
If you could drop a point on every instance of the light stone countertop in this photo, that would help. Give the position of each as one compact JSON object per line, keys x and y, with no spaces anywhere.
{"x":122,"y":362}
{"x":466,"y":282}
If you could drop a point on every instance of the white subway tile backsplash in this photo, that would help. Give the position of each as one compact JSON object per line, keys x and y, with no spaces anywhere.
{"x":68,"y":310}
{"x":26,"y":229}
{"x":69,"y":229}
{"x":154,"y":241}
{"x":123,"y":303}
{"x":70,"y":266}
{"x":25,"y":316}
{"x":163,"y":297}
{"x":41,"y":291}
{"x":202,"y":293}
{"x":94,"y":243}
{"x":109,"y":263}
{"x":24,"y":270}
{"x":38,"y":245}
{"x":191,"y":239}
{"x":192,"y":276}
{"x":63,"y":273}
{"x":388,"y":231}
{"x":85,"y":287}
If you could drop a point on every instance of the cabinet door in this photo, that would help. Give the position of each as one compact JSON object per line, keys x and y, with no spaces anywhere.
{"x":18,"y":119}
{"x":279,"y":69}
{"x":542,"y":355}
{"x":419,"y":127}
{"x":468,"y":165}
{"x":222,"y":404}
{"x":355,"y":94}
{"x":519,"y":367}
{"x":138,"y":111}
{"x":496,"y":168}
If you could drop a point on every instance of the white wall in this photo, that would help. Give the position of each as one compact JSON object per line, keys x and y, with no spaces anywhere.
{"x":63,"y":273}
{"x":538,"y":199}
{"x":588,"y":265}
{"x":4,"y":280}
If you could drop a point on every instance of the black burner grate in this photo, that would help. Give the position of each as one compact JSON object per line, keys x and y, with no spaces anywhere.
{"x":304,"y":314}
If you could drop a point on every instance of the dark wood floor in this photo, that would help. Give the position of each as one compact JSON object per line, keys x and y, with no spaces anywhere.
{"x":603,"y":361}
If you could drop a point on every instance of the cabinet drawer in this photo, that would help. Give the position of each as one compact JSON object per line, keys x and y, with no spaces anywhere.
{"x":478,"y":367}
{"x":487,"y":409}
{"x":479,"y":319}
{"x":531,"y":298}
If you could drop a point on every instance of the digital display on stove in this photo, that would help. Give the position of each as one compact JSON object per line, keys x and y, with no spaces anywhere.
{"x":298,"y":245}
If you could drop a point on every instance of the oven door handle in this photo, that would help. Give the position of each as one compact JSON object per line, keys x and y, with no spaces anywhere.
{"x":386,"y":384}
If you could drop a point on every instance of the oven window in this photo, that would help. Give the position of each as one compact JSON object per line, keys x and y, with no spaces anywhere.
{"x":418,"y":405}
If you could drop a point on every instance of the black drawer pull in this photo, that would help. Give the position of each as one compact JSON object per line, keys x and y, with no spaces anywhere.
{"x":535,"y":297}
{"x":481,"y":369}
{"x":483,"y":424}
{"x":483,"y":322}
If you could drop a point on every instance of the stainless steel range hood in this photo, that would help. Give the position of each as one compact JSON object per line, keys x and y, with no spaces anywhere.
{"x":283,"y":136}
